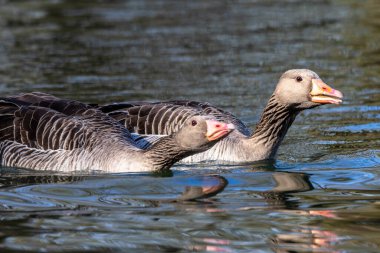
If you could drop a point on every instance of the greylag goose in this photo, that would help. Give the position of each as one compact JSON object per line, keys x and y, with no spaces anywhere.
{"x":297,"y":90}
{"x":42,"y":132}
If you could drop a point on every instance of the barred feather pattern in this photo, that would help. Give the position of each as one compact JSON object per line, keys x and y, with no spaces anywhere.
{"x":43,"y":128}
{"x":42,"y":138}
{"x":171,"y":149}
{"x":240,"y":146}
{"x":100,"y":159}
{"x":162,"y":118}
{"x":273,"y":126}
{"x":153,"y":119}
{"x":15,"y":154}
{"x":261,"y":145}
{"x":146,"y":141}
{"x":40,"y":131}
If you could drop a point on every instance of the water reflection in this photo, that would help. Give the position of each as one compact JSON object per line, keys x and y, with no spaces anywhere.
{"x":36,"y":191}
{"x":226,"y":53}
{"x":279,"y":196}
{"x":307,"y":239}
{"x":287,"y":183}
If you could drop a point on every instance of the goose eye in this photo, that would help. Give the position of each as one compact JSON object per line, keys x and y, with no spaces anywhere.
{"x":299,"y":79}
{"x":194,"y":122}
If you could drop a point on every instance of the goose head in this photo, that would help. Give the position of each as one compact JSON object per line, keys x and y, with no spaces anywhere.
{"x":199,"y":133}
{"x":303,"y":89}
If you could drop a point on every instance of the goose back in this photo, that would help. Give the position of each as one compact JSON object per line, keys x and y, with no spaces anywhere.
{"x":159,"y":118}
{"x":41,"y":131}
{"x":45,"y":128}
{"x":37,"y":137}
{"x":150,"y":120}
{"x":65,"y":106}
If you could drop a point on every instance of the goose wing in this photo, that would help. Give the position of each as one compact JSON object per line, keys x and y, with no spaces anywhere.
{"x":45,"y":128}
{"x":166,"y":117}
{"x":215,"y":112}
{"x":65,"y":106}
{"x":150,"y":118}
{"x":145,"y":141}
{"x":15,"y":154}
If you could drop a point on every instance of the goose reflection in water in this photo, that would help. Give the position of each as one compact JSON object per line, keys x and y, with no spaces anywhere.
{"x":300,"y":238}
{"x":139,"y":191}
{"x":279,"y":198}
{"x":304,"y":239}
{"x":136,"y":187}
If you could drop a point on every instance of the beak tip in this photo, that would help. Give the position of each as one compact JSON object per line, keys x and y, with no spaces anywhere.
{"x":218,"y":130}
{"x":324,"y":94}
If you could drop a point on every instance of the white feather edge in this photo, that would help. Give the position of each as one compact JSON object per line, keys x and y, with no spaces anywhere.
{"x":145,"y":141}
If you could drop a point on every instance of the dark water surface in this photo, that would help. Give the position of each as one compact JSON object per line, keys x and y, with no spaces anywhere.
{"x":321,"y":195}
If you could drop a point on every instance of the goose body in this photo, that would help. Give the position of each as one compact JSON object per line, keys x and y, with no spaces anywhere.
{"x":297,"y":90}
{"x":40,"y":131}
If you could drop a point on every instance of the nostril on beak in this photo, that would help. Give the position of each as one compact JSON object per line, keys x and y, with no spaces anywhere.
{"x":217,"y":125}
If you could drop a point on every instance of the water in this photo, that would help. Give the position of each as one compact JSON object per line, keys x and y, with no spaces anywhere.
{"x":322,"y":194}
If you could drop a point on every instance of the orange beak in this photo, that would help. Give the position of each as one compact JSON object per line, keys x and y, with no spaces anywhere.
{"x":217,"y":130}
{"x":324,"y":94}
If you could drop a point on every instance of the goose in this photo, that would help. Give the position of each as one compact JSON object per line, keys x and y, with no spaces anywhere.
{"x":297,"y":90}
{"x":42,"y":132}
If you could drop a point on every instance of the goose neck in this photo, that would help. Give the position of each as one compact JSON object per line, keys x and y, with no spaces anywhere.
{"x":163,"y":154}
{"x":273,"y":126}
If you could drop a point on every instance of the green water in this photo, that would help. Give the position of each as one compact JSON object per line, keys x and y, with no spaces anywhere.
{"x":322,"y":194}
